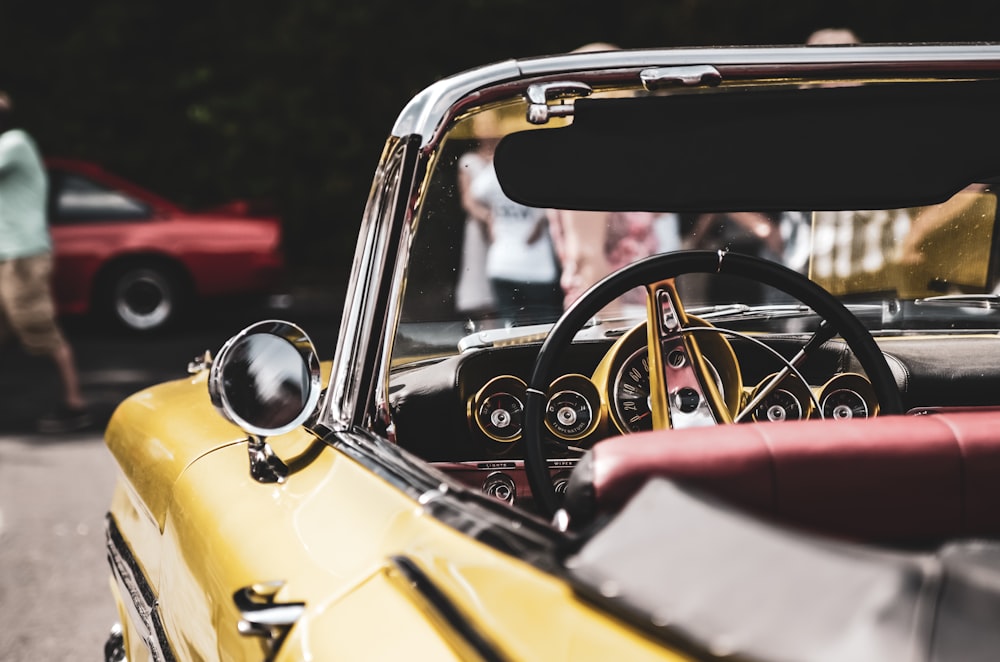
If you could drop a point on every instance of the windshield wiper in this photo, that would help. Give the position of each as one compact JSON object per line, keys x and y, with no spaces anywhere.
{"x":730,"y":312}
{"x":987,"y":301}
{"x":742,"y":311}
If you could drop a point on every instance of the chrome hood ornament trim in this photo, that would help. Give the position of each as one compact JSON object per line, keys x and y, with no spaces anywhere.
{"x":262,"y":617}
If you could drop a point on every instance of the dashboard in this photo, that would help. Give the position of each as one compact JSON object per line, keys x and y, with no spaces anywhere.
{"x":614,"y":398}
{"x":464,"y":413}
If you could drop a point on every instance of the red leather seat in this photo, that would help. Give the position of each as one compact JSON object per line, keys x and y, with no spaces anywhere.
{"x":889,"y":479}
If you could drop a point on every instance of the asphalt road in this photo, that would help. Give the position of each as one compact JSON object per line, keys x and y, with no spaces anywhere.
{"x":55,"y":602}
{"x":54,"y":597}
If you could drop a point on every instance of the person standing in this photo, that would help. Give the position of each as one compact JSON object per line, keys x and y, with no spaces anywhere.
{"x":27,"y":309}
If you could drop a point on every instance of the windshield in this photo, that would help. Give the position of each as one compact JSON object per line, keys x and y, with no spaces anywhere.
{"x":485,"y":269}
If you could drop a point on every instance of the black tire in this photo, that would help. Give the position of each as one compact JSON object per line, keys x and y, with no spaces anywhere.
{"x":144,"y":298}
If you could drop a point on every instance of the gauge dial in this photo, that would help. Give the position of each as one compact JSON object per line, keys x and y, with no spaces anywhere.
{"x":779,"y":405}
{"x":631,"y":394}
{"x":572,"y":407}
{"x":568,"y":414}
{"x":501,"y":416}
{"x":498,"y":408}
{"x":844,"y":403}
{"x":848,"y":395}
{"x":630,"y":397}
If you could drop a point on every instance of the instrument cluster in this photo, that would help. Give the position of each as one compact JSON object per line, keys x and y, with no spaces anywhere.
{"x":572,"y":410}
{"x":845,"y":395}
{"x":579,"y":409}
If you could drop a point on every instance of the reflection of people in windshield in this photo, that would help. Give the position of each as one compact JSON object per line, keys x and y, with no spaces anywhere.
{"x":591,"y":245}
{"x":934,"y":217}
{"x":473,"y":295}
{"x":849,"y":243}
{"x":751,"y":233}
{"x":520,"y":262}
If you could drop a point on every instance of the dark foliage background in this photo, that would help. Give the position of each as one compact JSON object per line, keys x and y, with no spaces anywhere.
{"x":208,"y":100}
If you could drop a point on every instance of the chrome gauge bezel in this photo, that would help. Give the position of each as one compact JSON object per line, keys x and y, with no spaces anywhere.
{"x":497,"y":409}
{"x":581,"y":400}
{"x":853,"y":385}
{"x":779,"y":400}
{"x":835,"y":414}
{"x":791,"y":387}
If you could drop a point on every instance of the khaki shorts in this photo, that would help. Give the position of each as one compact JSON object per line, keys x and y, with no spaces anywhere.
{"x":26,"y":306}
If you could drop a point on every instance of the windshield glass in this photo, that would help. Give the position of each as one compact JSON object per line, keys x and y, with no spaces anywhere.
{"x":485,"y":269}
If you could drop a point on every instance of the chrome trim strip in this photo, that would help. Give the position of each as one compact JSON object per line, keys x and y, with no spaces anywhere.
{"x":374,"y":288}
{"x":261,"y":616}
{"x":502,"y":465}
{"x":429,"y":111}
{"x":445,"y":608}
{"x":681,"y":376}
{"x":465,"y":510}
{"x":425,"y":113}
{"x":761,"y":59}
{"x":141,"y":603}
{"x":373,"y":296}
{"x":655,"y":78}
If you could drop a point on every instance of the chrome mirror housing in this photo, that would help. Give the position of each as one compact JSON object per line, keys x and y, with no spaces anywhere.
{"x":266,"y":380}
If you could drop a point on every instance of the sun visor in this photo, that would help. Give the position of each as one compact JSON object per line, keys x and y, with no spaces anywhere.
{"x":877,"y":146}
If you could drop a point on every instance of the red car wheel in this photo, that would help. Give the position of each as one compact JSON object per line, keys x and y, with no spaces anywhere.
{"x":144,"y":298}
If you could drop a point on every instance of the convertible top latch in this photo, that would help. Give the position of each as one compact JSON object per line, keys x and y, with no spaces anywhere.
{"x":540,"y":94}
{"x":693,"y":75}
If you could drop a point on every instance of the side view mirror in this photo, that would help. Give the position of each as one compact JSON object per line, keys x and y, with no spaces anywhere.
{"x":266,"y":380}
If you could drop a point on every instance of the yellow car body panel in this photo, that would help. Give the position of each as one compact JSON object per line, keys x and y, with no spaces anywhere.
{"x":330,"y":533}
{"x":169,"y":443}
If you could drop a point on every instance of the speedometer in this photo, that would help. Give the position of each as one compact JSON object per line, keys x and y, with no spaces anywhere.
{"x":630,"y":408}
{"x":622,"y":376}
{"x":630,"y":396}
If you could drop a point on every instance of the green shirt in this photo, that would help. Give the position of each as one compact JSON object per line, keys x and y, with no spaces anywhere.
{"x":23,"y":190}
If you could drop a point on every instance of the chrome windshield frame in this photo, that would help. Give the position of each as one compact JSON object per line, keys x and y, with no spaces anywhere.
{"x":374,"y":295}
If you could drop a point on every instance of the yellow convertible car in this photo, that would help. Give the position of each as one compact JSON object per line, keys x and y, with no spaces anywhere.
{"x":646,"y":354}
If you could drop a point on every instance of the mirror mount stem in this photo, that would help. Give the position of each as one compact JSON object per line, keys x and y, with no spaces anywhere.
{"x":265,"y":466}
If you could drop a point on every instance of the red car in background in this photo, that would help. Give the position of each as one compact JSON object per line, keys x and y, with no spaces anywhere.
{"x":127,"y":254}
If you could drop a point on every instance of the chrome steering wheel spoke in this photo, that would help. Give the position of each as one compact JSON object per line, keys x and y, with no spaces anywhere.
{"x":682,"y":391}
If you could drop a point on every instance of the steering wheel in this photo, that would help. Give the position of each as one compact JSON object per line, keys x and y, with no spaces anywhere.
{"x":682,"y":392}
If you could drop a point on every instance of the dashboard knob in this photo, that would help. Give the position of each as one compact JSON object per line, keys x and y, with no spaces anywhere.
{"x":560,"y":482}
{"x":500,"y":486}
